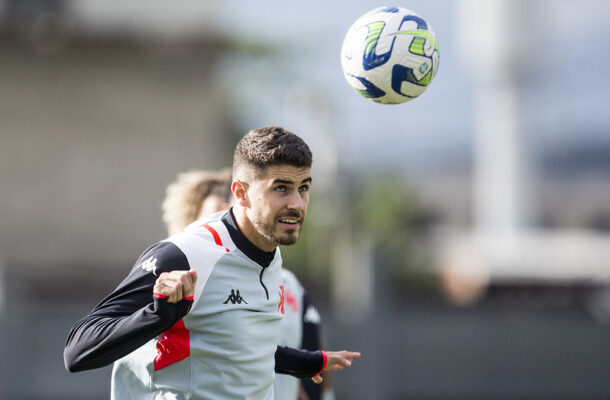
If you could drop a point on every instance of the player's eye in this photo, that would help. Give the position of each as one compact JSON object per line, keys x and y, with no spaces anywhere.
{"x":304,"y":188}
{"x":280,"y":188}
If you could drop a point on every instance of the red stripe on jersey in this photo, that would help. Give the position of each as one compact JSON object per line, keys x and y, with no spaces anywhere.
{"x":174,"y":345}
{"x":216,"y":236}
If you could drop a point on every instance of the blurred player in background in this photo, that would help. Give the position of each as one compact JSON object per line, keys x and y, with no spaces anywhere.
{"x":194,"y":195}
{"x":197,"y":194}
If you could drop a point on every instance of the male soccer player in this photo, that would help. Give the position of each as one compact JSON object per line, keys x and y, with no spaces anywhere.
{"x":196,"y":194}
{"x":199,"y":314}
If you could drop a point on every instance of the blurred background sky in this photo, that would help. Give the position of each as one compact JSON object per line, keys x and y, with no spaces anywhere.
{"x":461,"y":241}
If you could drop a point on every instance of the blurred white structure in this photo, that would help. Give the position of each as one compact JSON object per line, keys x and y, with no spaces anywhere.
{"x":505,"y":245}
{"x":493,"y":46}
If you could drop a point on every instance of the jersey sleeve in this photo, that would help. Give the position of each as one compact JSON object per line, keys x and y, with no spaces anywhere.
{"x":311,"y":325}
{"x":130,"y":316}
{"x":298,"y":363}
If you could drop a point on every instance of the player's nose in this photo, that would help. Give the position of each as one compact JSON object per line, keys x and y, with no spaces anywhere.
{"x":297,"y":202}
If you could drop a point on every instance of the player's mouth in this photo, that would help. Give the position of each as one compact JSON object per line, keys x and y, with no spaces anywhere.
{"x":289,"y":222}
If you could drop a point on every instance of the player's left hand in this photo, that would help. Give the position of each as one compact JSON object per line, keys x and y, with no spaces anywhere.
{"x":337,"y":360}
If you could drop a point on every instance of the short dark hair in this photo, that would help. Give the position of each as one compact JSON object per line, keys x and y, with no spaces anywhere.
{"x":268,"y":146}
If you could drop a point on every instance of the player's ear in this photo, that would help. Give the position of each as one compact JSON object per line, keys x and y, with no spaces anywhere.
{"x":240,"y":193}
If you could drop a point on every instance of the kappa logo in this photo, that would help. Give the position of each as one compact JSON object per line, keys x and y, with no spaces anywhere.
{"x":312,"y":315}
{"x":235,"y":297}
{"x":150,"y":265}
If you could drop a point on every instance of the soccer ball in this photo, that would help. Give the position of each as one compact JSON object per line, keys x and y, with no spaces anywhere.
{"x":390,"y":55}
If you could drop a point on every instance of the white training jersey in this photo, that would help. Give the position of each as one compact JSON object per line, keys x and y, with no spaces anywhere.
{"x":220,"y":344}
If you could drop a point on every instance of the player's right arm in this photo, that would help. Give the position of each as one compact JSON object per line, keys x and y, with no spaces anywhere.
{"x":156,"y":294}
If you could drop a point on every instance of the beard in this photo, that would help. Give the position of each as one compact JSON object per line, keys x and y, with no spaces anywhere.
{"x":276,"y":235}
{"x":288,"y":238}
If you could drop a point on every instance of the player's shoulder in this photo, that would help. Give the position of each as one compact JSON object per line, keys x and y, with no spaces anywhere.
{"x":205,"y":234}
{"x":199,"y":241}
{"x":161,"y":257}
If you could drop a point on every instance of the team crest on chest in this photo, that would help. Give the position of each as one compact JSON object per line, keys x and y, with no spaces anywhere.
{"x":280,"y":306}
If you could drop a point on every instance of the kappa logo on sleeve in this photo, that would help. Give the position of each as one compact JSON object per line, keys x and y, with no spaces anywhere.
{"x":312,"y":315}
{"x":150,"y":265}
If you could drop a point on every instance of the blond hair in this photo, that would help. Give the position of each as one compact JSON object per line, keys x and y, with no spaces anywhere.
{"x":183,"y":197}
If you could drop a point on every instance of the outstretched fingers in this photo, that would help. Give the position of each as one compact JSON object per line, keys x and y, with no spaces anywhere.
{"x":337,"y":360}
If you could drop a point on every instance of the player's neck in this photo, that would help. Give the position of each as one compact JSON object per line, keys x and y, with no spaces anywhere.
{"x":250,"y":232}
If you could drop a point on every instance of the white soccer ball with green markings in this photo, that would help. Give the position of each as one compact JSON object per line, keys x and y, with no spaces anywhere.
{"x":390,"y":55}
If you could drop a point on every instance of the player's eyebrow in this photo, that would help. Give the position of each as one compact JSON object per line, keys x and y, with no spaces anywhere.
{"x":287,"y":182}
